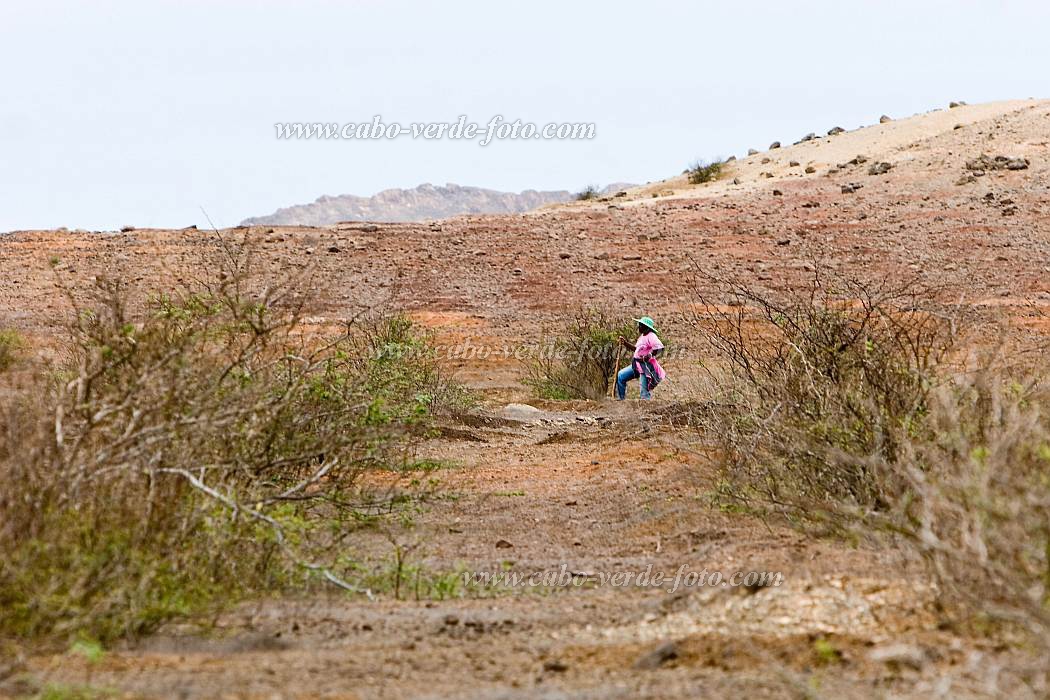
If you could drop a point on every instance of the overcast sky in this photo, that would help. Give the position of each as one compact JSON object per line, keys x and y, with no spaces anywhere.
{"x":141,"y":112}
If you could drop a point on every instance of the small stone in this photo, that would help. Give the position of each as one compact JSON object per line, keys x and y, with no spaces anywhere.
{"x":736,"y":181}
{"x":451,"y":620}
{"x":503,"y":544}
{"x":835,"y":131}
{"x":564,"y":256}
{"x":775,"y":144}
{"x":334,"y":249}
{"x":517,"y":272}
{"x":657,"y":657}
{"x":555,"y":666}
{"x":752,"y":152}
{"x":880,"y":168}
{"x":778,"y":193}
{"x":793,"y":164}
{"x":851,"y":187}
{"x":632,"y":256}
{"x":883,"y":119}
{"x":810,"y":169}
{"x":899,"y":655}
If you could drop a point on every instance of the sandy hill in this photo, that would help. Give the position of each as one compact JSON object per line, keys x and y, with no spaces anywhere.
{"x":984,"y":232}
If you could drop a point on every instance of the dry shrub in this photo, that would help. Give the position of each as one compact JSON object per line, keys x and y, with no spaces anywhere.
{"x":580,"y":359}
{"x":203,"y":448}
{"x":850,"y":405}
{"x":12,"y":346}
{"x":704,"y":171}
{"x":836,"y":367}
{"x":976,"y":495}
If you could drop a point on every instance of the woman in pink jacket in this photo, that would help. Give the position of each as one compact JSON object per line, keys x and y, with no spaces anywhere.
{"x":644,"y":366}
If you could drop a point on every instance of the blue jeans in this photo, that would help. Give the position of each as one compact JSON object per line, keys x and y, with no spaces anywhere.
{"x":627,"y":374}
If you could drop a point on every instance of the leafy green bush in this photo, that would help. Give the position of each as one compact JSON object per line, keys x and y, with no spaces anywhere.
{"x":582,"y":358}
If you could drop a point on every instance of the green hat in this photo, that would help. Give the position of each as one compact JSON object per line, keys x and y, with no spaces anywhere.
{"x":646,"y":321}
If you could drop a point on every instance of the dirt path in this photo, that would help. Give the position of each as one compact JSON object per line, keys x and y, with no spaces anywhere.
{"x":601,"y":490}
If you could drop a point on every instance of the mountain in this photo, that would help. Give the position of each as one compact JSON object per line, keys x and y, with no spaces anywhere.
{"x":424,"y":202}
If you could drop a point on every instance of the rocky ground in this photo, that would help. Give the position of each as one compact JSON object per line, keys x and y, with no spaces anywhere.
{"x":603,"y":487}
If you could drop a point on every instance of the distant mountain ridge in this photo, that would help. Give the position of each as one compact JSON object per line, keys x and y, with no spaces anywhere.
{"x":418,"y":204}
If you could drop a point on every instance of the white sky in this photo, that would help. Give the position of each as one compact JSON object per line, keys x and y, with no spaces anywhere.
{"x":138,"y":112}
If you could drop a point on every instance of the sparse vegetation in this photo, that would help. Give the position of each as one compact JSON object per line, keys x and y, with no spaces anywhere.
{"x":844,"y":406}
{"x":11,"y":348}
{"x":580,"y":360}
{"x":204,"y":449}
{"x":705,"y":171}
{"x":588,"y":192}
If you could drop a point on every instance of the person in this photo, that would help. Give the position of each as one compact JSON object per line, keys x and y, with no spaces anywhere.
{"x":644,"y":367}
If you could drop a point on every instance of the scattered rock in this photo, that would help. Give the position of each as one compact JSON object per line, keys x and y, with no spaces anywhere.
{"x":880,"y":168}
{"x":730,"y":159}
{"x":808,"y":137}
{"x":564,"y":256}
{"x":953,"y":105}
{"x":602,"y":256}
{"x":126,"y":229}
{"x":522,"y":412}
{"x":736,"y":181}
{"x":810,"y":170}
{"x":984,"y":162}
{"x":555,"y":666}
{"x":851,"y":187}
{"x":766,"y":160}
{"x":778,"y":193}
{"x":504,"y":544}
{"x":632,"y":256}
{"x":793,"y":164}
{"x":835,"y":131}
{"x":775,"y":144}
{"x":657,"y":657}
{"x":451,"y":620}
{"x":857,"y":160}
{"x":334,"y":249}
{"x":752,"y":152}
{"x":898,"y":655}
{"x":883,"y":119}
{"x":517,"y":272}
{"x":966,"y":179}
{"x":784,"y":241}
